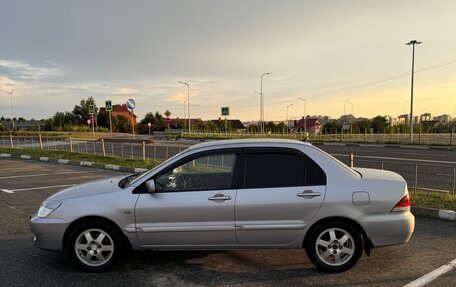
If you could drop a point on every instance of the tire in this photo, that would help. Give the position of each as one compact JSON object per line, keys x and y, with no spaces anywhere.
{"x":94,"y":246}
{"x":334,"y":246}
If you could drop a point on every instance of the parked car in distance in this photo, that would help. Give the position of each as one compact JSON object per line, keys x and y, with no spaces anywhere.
{"x":232,"y":194}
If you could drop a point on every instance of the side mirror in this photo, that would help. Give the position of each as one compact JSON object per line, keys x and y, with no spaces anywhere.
{"x":150,"y":185}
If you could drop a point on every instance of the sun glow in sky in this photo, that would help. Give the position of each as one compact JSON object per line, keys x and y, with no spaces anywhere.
{"x":53,"y":53}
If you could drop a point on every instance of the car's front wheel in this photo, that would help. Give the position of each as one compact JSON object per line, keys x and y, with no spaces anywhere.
{"x":334,"y":247}
{"x":94,"y":246}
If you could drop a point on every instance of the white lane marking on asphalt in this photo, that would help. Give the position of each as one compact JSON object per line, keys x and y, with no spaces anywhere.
{"x":431,"y":276}
{"x":42,"y":174}
{"x":36,"y":188}
{"x":6,"y":190}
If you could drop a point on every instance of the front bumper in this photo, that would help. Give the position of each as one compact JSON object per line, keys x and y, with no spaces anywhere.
{"x":388,"y":229}
{"x":48,"y":232}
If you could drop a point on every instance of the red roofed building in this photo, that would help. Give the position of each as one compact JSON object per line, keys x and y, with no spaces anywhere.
{"x":121,"y":110}
{"x":313,"y":125}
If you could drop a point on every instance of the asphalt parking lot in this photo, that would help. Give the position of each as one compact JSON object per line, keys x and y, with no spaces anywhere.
{"x":25,"y":184}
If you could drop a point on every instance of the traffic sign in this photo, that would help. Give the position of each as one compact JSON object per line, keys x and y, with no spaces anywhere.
{"x":89,"y":121}
{"x":167,"y":121}
{"x":225,"y":111}
{"x":91,"y":109}
{"x":131,"y":104}
{"x":149,"y":125}
{"x":108,"y":105}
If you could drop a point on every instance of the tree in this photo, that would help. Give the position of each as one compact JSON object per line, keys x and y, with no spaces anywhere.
{"x":81,"y":111}
{"x":379,"y":124}
{"x":121,"y":124}
{"x":157,"y":121}
{"x":103,"y":119}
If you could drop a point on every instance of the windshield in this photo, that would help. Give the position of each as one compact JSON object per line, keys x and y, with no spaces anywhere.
{"x":139,"y":176}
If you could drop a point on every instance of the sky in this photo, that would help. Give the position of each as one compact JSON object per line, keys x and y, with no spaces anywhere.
{"x":54,"y":53}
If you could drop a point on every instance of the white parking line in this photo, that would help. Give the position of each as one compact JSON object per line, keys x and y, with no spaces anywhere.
{"x":35,"y":188}
{"x":42,"y":174}
{"x":431,"y":276}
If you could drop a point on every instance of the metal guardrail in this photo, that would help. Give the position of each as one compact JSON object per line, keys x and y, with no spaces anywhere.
{"x":419,"y":174}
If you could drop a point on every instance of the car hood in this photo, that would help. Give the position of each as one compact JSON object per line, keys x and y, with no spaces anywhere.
{"x":378,"y":174}
{"x":87,"y":189}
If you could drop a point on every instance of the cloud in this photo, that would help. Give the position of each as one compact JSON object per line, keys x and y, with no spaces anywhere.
{"x":6,"y":84}
{"x":26,"y":71}
{"x":125,"y":91}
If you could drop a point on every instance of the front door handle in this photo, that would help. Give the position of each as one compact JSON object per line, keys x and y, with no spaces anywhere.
{"x":219,"y":197}
{"x":308,"y":193}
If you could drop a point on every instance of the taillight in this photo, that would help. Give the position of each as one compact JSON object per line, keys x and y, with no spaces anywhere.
{"x":403,"y":204}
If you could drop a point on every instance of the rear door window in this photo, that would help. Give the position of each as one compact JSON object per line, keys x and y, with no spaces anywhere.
{"x":269,"y":169}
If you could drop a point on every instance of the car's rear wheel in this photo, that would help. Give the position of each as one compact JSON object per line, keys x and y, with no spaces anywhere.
{"x":94,"y":246}
{"x":334,"y":247}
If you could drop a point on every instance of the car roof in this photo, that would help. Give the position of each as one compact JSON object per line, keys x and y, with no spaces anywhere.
{"x":248,"y":142}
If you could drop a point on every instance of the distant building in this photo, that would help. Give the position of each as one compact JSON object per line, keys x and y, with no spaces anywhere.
{"x":444,"y":119}
{"x":121,"y":110}
{"x":313,"y":125}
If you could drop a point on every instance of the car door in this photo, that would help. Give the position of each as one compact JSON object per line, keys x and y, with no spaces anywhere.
{"x":280,"y":192}
{"x":193,"y":204}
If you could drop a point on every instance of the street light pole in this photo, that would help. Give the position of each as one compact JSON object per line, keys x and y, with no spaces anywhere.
{"x":287,"y":116}
{"x":305,"y":114}
{"x":188,"y":100}
{"x":185,"y":116}
{"x":262,"y":103}
{"x":413,"y":43}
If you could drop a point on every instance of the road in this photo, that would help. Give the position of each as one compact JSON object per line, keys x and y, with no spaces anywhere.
{"x":22,"y":264}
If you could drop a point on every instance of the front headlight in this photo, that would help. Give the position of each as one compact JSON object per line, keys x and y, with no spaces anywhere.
{"x":47,"y":208}
{"x":44,"y":211}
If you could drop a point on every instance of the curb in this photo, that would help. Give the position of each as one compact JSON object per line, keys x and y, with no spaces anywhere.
{"x":434,"y":213}
{"x":80,"y":163}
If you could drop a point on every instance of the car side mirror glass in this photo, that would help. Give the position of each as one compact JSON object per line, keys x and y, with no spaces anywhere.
{"x":150,"y":185}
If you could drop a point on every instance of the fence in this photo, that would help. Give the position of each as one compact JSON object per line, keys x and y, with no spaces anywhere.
{"x":419,"y":174}
{"x":123,"y":150}
{"x":419,"y":138}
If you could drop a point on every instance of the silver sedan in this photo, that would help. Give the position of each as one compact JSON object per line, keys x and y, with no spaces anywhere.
{"x":232,"y":194}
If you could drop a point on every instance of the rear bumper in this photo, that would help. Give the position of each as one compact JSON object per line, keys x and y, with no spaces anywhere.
{"x":388,"y":229}
{"x":48,"y":232}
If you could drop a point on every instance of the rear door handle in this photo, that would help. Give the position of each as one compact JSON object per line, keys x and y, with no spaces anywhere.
{"x":308,"y":193}
{"x":219,"y":197}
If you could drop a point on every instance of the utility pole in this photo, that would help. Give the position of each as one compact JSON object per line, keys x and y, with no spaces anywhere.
{"x":188,"y":102}
{"x":413,"y":43}
{"x":185,"y":116}
{"x":262,"y":104}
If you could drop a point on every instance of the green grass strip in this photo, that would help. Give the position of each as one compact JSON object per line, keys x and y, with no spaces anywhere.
{"x":432,"y":199}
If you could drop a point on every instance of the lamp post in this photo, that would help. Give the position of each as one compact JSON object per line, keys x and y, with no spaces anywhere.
{"x":413,"y":43}
{"x":305,"y":114}
{"x":262,"y":103}
{"x":287,"y":116}
{"x":11,"y":102}
{"x":185,"y":116}
{"x":188,"y":100}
